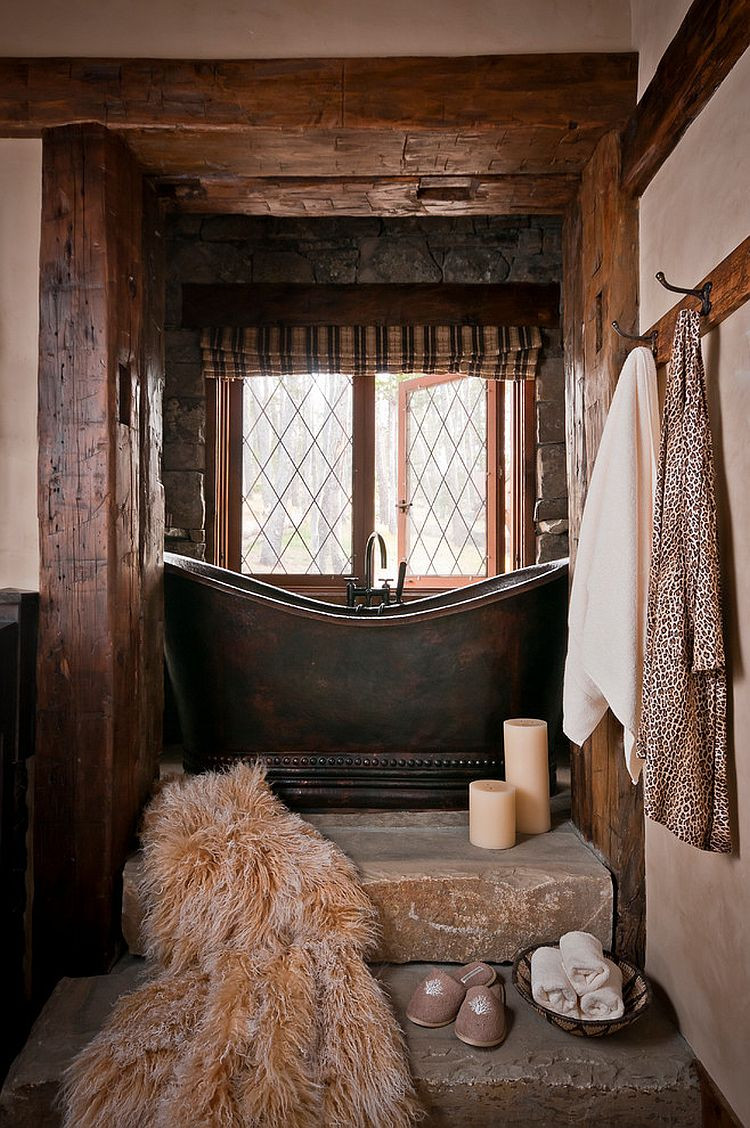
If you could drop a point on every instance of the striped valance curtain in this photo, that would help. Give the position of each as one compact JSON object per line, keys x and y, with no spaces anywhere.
{"x":497,"y":352}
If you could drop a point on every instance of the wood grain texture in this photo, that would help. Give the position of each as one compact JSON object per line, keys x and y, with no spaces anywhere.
{"x":304,"y":152}
{"x":710,"y":40}
{"x":600,"y":271}
{"x":491,"y":92}
{"x":218,"y":126}
{"x":100,"y":542}
{"x":512,"y":194}
{"x":246,"y":304}
{"x":730,"y":289}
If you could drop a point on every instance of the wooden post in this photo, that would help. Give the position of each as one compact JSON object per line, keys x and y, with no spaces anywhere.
{"x":101,"y":534}
{"x":600,"y":271}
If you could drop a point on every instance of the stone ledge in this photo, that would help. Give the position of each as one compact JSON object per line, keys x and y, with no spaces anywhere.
{"x":540,"y":1076}
{"x":440,"y":898}
{"x":643,"y":1076}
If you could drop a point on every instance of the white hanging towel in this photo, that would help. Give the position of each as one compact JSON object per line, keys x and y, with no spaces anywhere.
{"x":607,"y":615}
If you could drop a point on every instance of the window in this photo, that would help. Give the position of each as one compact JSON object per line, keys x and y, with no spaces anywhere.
{"x":302,"y":468}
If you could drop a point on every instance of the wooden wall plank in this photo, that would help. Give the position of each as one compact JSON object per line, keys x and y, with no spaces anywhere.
{"x":710,"y":40}
{"x":730,"y":289}
{"x":600,"y":272}
{"x":514,"y":194}
{"x":97,"y":744}
{"x":246,"y":304}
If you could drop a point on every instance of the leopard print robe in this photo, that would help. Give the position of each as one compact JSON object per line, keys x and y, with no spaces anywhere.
{"x":683,"y":732}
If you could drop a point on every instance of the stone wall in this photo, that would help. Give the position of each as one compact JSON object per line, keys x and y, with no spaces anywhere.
{"x":266,"y":249}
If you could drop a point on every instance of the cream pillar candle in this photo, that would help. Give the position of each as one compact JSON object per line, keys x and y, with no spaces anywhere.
{"x":492,"y":814}
{"x":527,"y":768}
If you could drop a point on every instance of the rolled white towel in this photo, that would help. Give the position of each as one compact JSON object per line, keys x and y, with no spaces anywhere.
{"x":605,"y":1001}
{"x":550,"y":986}
{"x":583,"y":960}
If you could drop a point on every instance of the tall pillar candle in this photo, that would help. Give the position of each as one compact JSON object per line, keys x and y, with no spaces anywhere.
{"x":492,"y":814}
{"x":527,"y":768}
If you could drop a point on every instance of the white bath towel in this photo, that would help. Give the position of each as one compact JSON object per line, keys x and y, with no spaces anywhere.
{"x":550,"y":986}
{"x":583,"y":961}
{"x":607,"y":616}
{"x":605,"y":1001}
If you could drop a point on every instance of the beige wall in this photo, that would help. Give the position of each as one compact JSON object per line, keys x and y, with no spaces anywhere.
{"x":654,"y":23}
{"x":303,"y":28}
{"x":20,"y":211}
{"x":696,"y":210}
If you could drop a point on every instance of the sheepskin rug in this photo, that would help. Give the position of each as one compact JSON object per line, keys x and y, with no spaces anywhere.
{"x":262,"y":1012}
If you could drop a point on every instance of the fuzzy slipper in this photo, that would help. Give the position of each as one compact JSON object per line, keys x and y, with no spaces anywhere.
{"x":481,"y":1017}
{"x":435,"y":1002}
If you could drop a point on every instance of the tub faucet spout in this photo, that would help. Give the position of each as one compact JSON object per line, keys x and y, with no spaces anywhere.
{"x":373,"y":539}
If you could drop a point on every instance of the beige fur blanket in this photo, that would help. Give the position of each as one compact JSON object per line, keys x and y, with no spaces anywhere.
{"x":262,"y":1012}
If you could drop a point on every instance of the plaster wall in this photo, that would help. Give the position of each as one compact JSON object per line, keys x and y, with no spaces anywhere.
{"x":20,"y":222}
{"x":224,"y":29}
{"x":654,"y":26}
{"x":693,"y":214}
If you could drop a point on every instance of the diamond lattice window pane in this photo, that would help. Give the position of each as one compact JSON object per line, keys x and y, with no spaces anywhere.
{"x":447,"y":479}
{"x":297,"y":474}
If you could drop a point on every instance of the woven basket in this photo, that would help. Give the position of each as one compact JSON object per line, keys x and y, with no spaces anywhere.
{"x":636,"y":995}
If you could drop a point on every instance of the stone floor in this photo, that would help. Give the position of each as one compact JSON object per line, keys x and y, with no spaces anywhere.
{"x":539,"y":1077}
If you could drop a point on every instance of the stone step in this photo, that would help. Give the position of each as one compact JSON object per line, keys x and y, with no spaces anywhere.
{"x":440,"y":898}
{"x":643,"y":1077}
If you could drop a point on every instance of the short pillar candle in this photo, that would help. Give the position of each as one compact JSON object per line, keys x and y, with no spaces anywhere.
{"x":492,"y":814}
{"x":527,"y":768}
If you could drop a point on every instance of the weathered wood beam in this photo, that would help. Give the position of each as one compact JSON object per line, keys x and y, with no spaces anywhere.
{"x":488,"y":92}
{"x":709,"y":41}
{"x":101,"y":532}
{"x":517,"y":194}
{"x":517,"y":303}
{"x":600,"y":278}
{"x":730,"y":290}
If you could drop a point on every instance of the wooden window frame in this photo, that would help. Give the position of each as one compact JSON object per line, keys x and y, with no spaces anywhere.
{"x":224,"y":424}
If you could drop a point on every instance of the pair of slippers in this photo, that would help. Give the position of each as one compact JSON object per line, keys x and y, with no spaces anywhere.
{"x":470,"y":995}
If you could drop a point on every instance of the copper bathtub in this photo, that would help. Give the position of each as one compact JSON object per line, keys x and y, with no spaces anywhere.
{"x":400,"y":709}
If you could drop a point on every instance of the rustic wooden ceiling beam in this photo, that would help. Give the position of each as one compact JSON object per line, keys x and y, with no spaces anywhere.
{"x":501,"y":195}
{"x":241,"y":305}
{"x":710,"y":40}
{"x":484,"y":93}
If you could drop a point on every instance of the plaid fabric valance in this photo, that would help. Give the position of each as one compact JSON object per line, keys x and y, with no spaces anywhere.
{"x":497,"y":352}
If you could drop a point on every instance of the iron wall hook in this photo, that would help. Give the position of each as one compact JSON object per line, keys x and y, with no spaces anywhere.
{"x":703,"y":292}
{"x":649,"y":338}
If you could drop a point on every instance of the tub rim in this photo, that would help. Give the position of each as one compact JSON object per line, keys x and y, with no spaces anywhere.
{"x":490,"y":589}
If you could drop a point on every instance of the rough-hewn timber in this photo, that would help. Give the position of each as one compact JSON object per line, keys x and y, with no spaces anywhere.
{"x":376,"y":303}
{"x":600,"y":271}
{"x":710,"y":40}
{"x":101,"y":529}
{"x":512,"y":194}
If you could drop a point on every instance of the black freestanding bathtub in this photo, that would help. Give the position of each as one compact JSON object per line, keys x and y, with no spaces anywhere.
{"x":400,"y":709}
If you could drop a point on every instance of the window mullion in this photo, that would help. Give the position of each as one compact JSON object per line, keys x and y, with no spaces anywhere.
{"x":363,"y":468}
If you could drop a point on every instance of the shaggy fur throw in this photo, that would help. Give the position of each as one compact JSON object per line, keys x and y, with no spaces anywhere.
{"x":262,"y":1012}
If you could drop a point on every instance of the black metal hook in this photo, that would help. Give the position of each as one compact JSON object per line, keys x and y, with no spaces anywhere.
{"x":649,"y":338}
{"x":703,"y":292}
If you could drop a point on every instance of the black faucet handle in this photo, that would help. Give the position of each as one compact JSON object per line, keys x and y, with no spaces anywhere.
{"x":401,"y":580}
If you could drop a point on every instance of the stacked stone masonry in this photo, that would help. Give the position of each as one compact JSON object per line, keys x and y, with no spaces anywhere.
{"x":349,"y":250}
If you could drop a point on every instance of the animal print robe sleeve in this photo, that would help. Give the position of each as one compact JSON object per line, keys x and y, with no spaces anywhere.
{"x":683,"y":733}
